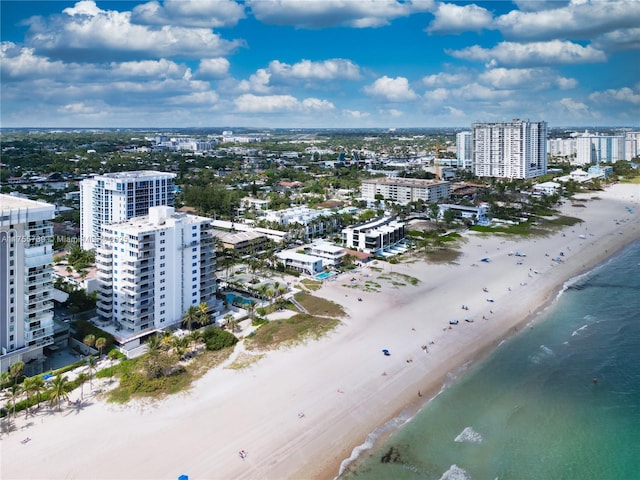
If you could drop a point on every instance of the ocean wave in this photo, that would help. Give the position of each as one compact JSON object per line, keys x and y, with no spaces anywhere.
{"x":544,"y":354}
{"x":370,"y":441}
{"x":579,"y":330}
{"x":469,"y":435}
{"x":455,"y":473}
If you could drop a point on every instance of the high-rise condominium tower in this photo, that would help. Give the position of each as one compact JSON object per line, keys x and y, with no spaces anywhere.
{"x":26,"y":306}
{"x":516,"y":149}
{"x":116,"y":197}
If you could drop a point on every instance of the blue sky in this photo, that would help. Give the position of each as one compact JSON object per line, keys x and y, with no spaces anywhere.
{"x":318,"y":63}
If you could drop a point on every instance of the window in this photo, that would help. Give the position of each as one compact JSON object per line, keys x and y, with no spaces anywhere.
{"x":193,"y":272}
{"x":162,"y":289}
{"x":162,"y":249}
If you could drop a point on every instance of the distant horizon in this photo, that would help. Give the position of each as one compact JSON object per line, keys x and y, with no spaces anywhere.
{"x":338,"y":63}
{"x":292,"y":129}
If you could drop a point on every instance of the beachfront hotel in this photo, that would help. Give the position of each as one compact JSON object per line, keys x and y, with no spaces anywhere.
{"x":26,"y":306}
{"x":151,"y":269}
{"x":516,"y":149}
{"x":405,"y":190}
{"x":116,"y":197}
{"x":375,"y":237}
{"x":596,"y":148}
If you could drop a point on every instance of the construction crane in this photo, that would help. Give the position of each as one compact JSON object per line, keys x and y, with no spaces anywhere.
{"x":436,"y":162}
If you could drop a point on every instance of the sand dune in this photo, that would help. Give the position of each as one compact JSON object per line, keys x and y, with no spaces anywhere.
{"x":343,"y":383}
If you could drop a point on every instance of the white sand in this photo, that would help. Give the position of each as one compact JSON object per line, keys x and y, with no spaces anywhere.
{"x":337,"y":382}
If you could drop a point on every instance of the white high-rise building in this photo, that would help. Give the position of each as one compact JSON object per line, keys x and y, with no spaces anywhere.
{"x":464,"y":149}
{"x":26,"y":306}
{"x":516,"y":149}
{"x":594,"y":148}
{"x":152,"y":269}
{"x":116,"y":197}
{"x":631,"y":145}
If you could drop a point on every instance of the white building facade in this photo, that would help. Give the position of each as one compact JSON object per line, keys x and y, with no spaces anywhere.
{"x":152,"y":269}
{"x":116,"y":197}
{"x":375,"y":237}
{"x":464,"y":150}
{"x":599,"y":148}
{"x":405,"y":190}
{"x":26,"y":306}
{"x":516,"y":149}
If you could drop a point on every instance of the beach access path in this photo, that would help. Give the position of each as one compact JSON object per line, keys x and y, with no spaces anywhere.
{"x":342,"y":383}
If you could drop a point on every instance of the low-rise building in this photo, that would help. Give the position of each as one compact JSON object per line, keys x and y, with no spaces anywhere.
{"x":330,"y":254}
{"x":375,"y":237}
{"x":405,"y":190}
{"x":477,"y":214}
{"x":301,"y":262}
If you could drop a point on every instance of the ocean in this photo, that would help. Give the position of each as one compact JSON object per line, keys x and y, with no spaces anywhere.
{"x":560,"y":400}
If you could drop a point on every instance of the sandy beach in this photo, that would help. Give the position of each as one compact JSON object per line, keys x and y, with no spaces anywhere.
{"x":343,"y":384}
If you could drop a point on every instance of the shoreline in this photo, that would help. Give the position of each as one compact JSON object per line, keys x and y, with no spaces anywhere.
{"x":359,"y":452}
{"x":343,"y":384}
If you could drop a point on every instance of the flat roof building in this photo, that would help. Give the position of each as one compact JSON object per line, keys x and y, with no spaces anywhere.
{"x":405,"y":190}
{"x":26,"y":306}
{"x":116,"y":197}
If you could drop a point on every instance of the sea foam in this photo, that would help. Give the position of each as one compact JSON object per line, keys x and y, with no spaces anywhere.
{"x":455,"y":473}
{"x":469,"y":435}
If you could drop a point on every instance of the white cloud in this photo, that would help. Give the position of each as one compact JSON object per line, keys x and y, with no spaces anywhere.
{"x":455,"y":112}
{"x":577,"y":20}
{"x":332,"y":13}
{"x":212,"y":68}
{"x":86,"y":32}
{"x":332,"y":69}
{"x":18,"y":63}
{"x":623,"y":39}
{"x":355,"y":114}
{"x":249,"y":103}
{"x":526,"y":78}
{"x":443,"y":79}
{"x":189,"y":13}
{"x":258,"y":82}
{"x":555,"y":52}
{"x":621,"y":95}
{"x":148,"y":69}
{"x":392,"y":89}
{"x":536,"y":5}
{"x":437,"y":95}
{"x":575,"y":108}
{"x":451,"y":18}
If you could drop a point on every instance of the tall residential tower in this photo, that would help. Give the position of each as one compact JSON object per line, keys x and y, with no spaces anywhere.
{"x":116,"y":197}
{"x":516,"y":149}
{"x":151,"y":269}
{"x":26,"y":306}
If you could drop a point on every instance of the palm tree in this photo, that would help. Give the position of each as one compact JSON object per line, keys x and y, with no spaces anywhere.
{"x":228,"y":317}
{"x":38,"y":387}
{"x":58,"y":391}
{"x":251,"y":306}
{"x":92,"y":364}
{"x":194,"y":338}
{"x":101,"y":342}
{"x":82,"y":378}
{"x":12,"y":394}
{"x":29,"y":387}
{"x":232,"y":323}
{"x":89,"y":340}
{"x":16,"y":370}
{"x":4,"y":379}
{"x":180,"y":345}
{"x":190,"y":317}
{"x":203,"y":312}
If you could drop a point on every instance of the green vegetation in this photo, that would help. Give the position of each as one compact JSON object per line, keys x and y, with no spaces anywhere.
{"x":290,"y":331}
{"x":319,"y":307}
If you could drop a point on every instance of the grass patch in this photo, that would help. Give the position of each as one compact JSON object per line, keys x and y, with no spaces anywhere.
{"x":443,"y":255}
{"x":399,"y":279}
{"x":290,"y":331}
{"x":311,"y":285}
{"x":320,"y":307}
{"x":244,"y":360}
{"x":135,"y":384}
{"x":371,"y":286}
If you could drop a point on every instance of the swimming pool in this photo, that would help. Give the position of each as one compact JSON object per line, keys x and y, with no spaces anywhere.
{"x":233,"y":298}
{"x":324,"y":275}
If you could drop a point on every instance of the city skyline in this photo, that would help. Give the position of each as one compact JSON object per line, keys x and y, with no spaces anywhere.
{"x":313,"y":64}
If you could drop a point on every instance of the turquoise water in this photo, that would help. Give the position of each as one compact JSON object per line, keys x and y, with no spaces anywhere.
{"x":532,"y":410}
{"x":233,"y":298}
{"x":323,"y":275}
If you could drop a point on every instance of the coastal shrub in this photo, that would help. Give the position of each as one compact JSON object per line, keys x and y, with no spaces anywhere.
{"x":319,"y":306}
{"x":217,"y":339}
{"x":259,"y":321}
